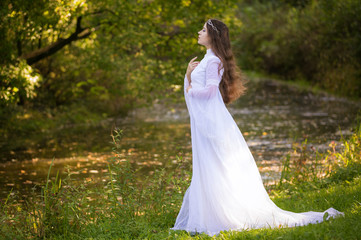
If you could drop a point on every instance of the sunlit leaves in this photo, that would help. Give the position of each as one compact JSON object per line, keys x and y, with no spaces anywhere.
{"x":137,"y":49}
{"x":19,"y":83}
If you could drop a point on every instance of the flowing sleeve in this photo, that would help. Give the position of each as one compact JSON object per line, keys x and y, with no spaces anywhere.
{"x":186,"y":84}
{"x":213,"y":78}
{"x":206,"y":105}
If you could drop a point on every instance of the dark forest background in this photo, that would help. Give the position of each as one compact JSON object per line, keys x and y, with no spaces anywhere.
{"x":77,"y":60}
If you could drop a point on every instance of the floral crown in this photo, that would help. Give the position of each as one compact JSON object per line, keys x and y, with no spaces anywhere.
{"x":211,"y":24}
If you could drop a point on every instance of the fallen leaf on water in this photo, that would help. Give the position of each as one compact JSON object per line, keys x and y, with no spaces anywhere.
{"x":28,"y":182}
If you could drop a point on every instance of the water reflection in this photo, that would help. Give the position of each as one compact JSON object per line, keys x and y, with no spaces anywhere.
{"x":271,"y":116}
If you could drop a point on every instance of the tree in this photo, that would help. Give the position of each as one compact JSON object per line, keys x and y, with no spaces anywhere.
{"x":100,"y":49}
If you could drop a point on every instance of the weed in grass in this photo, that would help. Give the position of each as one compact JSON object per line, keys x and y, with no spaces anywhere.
{"x":307,"y":169}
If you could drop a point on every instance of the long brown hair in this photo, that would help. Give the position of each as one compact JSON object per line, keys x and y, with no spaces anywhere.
{"x":232,"y":83}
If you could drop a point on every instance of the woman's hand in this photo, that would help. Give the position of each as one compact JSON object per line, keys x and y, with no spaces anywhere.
{"x":191,"y":66}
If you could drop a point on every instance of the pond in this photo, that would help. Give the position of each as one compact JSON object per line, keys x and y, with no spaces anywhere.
{"x":271,"y":116}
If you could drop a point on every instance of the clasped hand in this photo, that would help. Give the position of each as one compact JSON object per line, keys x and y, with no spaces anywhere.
{"x":191,"y":66}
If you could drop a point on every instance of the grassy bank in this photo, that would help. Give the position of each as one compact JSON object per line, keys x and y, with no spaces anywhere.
{"x":123,"y":207}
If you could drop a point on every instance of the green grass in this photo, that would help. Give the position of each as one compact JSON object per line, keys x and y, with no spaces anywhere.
{"x":125,"y":208}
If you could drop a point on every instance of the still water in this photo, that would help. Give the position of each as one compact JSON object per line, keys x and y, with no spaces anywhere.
{"x":271,"y":116}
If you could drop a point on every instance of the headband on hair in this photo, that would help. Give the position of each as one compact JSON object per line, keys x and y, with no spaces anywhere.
{"x":211,"y":24}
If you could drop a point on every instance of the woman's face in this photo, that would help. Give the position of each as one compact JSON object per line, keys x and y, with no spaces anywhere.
{"x":203,"y":37}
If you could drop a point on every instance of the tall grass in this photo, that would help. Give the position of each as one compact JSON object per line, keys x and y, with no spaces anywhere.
{"x":128,"y":207}
{"x":307,"y":169}
{"x":123,"y":206}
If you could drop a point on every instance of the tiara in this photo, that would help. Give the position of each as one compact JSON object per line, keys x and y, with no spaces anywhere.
{"x":211,"y":24}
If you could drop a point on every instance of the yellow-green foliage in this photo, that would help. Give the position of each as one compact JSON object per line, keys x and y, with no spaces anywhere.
{"x":135,"y":52}
{"x":307,"y":169}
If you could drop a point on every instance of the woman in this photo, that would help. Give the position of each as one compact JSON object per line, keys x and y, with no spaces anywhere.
{"x":226,"y":191}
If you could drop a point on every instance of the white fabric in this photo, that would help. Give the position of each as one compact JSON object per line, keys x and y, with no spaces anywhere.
{"x":226,"y":191}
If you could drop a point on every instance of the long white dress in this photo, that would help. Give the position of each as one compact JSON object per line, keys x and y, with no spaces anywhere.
{"x":226,"y":191}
